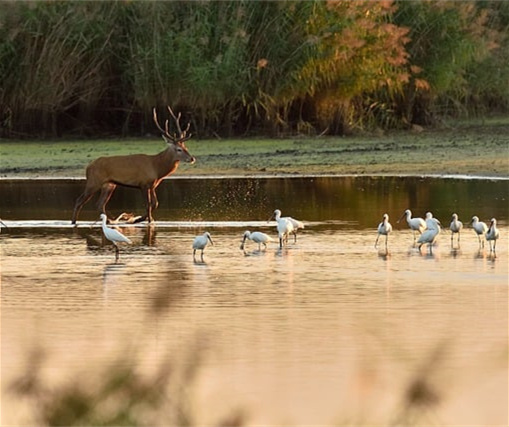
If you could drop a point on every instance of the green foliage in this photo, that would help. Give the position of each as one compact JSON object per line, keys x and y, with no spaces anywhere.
{"x":447,"y":38}
{"x":236,"y":67}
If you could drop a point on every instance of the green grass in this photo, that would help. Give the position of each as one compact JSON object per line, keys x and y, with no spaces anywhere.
{"x":472,"y":150}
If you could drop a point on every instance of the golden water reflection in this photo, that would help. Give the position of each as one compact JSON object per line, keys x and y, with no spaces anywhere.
{"x":324,"y":332}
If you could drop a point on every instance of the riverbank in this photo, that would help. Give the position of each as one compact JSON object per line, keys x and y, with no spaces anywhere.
{"x":468,"y":150}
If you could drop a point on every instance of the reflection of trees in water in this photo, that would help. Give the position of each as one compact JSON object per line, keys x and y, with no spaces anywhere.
{"x":358,"y":198}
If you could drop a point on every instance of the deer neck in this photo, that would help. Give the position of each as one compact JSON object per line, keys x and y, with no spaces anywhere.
{"x":166,"y":163}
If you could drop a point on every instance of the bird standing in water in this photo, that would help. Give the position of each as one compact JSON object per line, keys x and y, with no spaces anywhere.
{"x":200,"y":242}
{"x":113,"y":235}
{"x":296,"y":225}
{"x":480,"y":229}
{"x":284,"y":227}
{"x":455,"y":227}
{"x":258,"y":237}
{"x":493,"y":234}
{"x":430,"y":234}
{"x":415,"y":224}
{"x":384,"y":228}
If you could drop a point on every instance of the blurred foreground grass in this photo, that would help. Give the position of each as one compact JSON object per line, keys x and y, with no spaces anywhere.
{"x":470,"y":149}
{"x":127,"y":392}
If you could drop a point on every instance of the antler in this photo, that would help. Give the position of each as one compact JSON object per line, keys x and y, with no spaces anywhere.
{"x":183,"y":136}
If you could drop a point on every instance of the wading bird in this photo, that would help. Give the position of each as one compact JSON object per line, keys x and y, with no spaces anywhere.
{"x":430,"y":234}
{"x":257,"y":237}
{"x":141,"y":171}
{"x":127,"y":218}
{"x":384,"y":228}
{"x":200,"y":242}
{"x":455,"y":227}
{"x":480,"y":229}
{"x":415,"y":224}
{"x":284,"y":227}
{"x":113,"y":235}
{"x":296,"y":226}
{"x":493,"y":234}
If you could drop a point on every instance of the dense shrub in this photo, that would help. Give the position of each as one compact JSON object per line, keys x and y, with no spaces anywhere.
{"x":244,"y":67}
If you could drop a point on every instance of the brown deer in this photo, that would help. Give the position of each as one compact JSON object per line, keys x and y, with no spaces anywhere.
{"x":136,"y":170}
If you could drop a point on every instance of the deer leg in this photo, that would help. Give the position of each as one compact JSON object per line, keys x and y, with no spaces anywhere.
{"x":147,"y":193}
{"x":153,"y":195}
{"x":154,"y":203}
{"x":106,"y":193}
{"x":80,"y":202}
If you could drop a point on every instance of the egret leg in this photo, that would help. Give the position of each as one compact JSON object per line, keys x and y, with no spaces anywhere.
{"x":194,"y":253}
{"x":117,"y":252}
{"x":294,"y":237}
{"x":386,"y":239}
{"x":280,"y":243}
{"x":376,"y":241}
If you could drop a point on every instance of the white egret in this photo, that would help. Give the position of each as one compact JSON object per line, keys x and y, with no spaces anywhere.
{"x":284,"y":227}
{"x":384,"y":228}
{"x":258,"y":237}
{"x":455,"y":227}
{"x":200,"y":242}
{"x":493,"y":234}
{"x":113,"y":235}
{"x":480,"y":229}
{"x":430,"y":234}
{"x":296,"y":226}
{"x":415,"y":224}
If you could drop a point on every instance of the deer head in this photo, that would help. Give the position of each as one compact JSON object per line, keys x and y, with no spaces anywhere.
{"x":175,"y":141}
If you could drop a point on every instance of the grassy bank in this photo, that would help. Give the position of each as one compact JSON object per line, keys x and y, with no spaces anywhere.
{"x":463,"y":149}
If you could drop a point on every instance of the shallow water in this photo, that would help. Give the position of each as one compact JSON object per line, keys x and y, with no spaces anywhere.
{"x":326,"y":331}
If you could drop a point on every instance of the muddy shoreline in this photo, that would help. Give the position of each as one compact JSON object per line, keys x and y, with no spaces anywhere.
{"x":466,"y":152}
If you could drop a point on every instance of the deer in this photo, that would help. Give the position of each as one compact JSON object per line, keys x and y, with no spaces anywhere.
{"x":141,"y":171}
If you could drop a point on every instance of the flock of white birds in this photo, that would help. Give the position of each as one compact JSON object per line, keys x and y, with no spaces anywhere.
{"x":427,"y":230}
{"x":285,"y":226}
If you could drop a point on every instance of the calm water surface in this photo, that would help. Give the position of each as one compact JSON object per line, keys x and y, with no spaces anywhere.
{"x":327,"y":331}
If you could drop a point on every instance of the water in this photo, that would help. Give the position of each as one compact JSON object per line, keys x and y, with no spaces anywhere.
{"x":326,"y":331}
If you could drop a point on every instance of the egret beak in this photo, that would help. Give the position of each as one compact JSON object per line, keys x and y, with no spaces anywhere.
{"x":210,"y":239}
{"x":243,"y":242}
{"x":400,"y":218}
